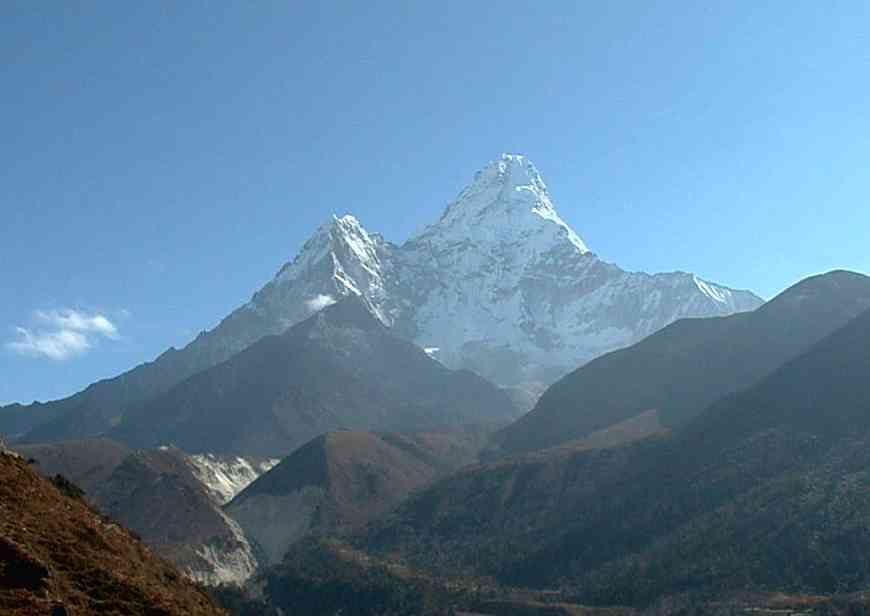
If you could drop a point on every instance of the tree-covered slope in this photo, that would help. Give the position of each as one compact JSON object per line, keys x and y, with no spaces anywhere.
{"x":765,"y":489}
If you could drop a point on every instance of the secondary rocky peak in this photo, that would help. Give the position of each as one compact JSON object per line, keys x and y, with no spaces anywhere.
{"x":343,"y":258}
{"x":340,"y":236}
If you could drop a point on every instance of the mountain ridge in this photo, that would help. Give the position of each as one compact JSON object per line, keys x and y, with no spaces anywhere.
{"x":520,"y":300}
{"x":689,"y":364}
{"x":281,"y":391}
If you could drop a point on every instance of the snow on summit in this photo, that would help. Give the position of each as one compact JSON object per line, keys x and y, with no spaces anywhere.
{"x":510,"y":194}
{"x":500,"y":284}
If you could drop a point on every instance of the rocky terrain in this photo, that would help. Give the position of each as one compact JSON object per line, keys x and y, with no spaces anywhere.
{"x":59,"y":556}
{"x":164,"y":497}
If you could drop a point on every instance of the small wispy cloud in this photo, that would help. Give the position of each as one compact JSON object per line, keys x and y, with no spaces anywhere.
{"x":58,"y":345}
{"x":319,"y":302}
{"x":79,"y":322}
{"x":62,"y":334}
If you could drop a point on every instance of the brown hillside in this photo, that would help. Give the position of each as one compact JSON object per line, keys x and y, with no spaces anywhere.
{"x":155,"y":494}
{"x":58,"y":556}
{"x":341,"y":480}
{"x":87,"y":463}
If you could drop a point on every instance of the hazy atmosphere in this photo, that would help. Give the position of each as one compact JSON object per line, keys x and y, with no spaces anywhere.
{"x":161,"y":161}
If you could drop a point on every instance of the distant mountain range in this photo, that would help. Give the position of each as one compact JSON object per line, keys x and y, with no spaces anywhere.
{"x":500,"y":285}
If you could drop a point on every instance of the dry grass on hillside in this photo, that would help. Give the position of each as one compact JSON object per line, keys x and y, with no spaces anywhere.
{"x":59,"y":556}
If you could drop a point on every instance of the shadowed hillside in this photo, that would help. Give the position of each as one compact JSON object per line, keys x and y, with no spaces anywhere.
{"x":688,"y":365}
{"x":339,"y":369}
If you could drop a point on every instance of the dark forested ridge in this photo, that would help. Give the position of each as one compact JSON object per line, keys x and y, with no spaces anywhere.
{"x":764,"y":489}
{"x":320,"y":576}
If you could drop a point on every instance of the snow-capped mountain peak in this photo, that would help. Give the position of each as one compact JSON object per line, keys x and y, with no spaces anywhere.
{"x":507,"y":202}
{"x":513,"y":171}
{"x":341,"y":240}
{"x":500,"y":284}
{"x":341,"y":259}
{"x":343,"y":255}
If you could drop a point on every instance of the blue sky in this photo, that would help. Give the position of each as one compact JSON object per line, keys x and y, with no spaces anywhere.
{"x":160,"y":161}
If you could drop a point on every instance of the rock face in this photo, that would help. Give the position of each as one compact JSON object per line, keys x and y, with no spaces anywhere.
{"x":156,"y":494}
{"x":172,"y":500}
{"x":226,"y":476}
{"x":58,"y":556}
{"x":500,"y":285}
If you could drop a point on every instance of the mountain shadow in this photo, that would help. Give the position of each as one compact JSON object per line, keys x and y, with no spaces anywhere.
{"x":341,"y":368}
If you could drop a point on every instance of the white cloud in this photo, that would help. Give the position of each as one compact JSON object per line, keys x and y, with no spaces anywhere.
{"x":319,"y":302}
{"x":62,"y":334}
{"x":72,"y":320}
{"x":59,"y":345}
